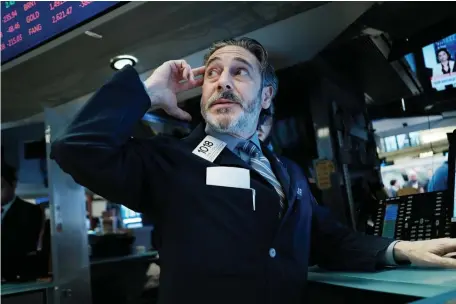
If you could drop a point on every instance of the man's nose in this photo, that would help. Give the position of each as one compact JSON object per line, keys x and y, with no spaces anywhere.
{"x":225,"y":82}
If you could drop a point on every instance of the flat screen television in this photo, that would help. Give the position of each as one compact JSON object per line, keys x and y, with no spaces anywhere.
{"x":29,"y":24}
{"x":439,"y":60}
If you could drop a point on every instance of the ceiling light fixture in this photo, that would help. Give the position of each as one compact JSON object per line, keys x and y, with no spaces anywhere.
{"x":93,"y":35}
{"x":119,"y":62}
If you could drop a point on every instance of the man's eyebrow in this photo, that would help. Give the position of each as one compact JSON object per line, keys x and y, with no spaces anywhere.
{"x":239,"y":59}
{"x":244,"y":62}
{"x":212,"y":60}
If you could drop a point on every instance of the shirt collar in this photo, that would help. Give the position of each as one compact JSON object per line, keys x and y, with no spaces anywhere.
{"x":231,"y":141}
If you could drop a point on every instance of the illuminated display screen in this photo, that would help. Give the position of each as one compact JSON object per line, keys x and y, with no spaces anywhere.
{"x":28,"y":24}
{"x":439,"y":58}
{"x":389,"y":224}
{"x":130,"y":218}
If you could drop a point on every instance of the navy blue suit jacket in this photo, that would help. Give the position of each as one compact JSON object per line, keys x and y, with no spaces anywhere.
{"x":214,"y":247}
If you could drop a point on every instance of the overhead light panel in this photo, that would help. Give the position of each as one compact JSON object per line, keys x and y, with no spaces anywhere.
{"x":119,"y":62}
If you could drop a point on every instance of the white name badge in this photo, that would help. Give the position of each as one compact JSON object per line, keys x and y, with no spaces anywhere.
{"x":209,"y":148}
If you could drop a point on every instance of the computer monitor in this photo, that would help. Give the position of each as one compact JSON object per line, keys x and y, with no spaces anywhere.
{"x":390,"y":219}
{"x":130,"y":218}
{"x":414,"y":217}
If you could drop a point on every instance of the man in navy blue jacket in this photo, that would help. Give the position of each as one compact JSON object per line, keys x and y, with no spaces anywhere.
{"x":235,"y":225}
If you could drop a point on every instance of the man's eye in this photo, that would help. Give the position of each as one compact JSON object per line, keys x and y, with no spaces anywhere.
{"x":242,"y":72}
{"x":211,"y":73}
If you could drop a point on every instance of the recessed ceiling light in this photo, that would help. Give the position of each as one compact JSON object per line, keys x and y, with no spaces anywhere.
{"x":119,"y":62}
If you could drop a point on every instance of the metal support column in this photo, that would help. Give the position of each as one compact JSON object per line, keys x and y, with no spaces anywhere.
{"x":69,"y":240}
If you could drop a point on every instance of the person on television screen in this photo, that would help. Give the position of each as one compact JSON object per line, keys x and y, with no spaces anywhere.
{"x":445,"y":65}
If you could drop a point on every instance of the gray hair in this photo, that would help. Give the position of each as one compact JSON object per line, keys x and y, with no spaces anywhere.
{"x":268,"y":76}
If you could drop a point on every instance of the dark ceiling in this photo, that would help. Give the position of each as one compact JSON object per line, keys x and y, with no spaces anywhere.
{"x":153,"y":31}
{"x":402,"y":19}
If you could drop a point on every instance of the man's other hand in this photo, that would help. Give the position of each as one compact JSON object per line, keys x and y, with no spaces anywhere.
{"x":429,"y":253}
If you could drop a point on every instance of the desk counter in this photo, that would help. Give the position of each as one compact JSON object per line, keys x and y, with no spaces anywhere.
{"x":409,"y":281}
{"x":148,"y":254}
{"x":15,"y":288}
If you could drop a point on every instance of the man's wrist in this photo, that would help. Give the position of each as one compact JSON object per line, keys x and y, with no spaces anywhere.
{"x":401,"y":252}
{"x":154,"y":99}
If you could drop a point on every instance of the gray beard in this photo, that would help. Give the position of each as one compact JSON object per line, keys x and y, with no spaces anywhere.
{"x":246,"y":122}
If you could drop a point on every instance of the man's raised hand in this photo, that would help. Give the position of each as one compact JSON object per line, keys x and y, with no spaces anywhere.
{"x":169,"y":79}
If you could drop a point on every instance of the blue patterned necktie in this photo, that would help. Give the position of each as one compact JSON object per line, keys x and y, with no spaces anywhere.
{"x":261,"y":164}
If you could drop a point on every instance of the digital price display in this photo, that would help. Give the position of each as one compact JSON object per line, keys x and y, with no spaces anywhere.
{"x":27,"y":24}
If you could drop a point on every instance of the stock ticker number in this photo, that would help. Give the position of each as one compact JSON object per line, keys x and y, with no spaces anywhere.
{"x":13,"y":28}
{"x":8,"y":4}
{"x":55,"y":4}
{"x":85,"y":3}
{"x":10,"y":16}
{"x":14,"y":40}
{"x":62,"y":15}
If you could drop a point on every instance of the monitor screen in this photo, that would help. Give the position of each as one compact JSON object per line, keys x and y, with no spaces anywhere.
{"x":390,"y":217}
{"x":42,"y":200}
{"x":439,"y":59}
{"x":26,"y":25}
{"x":130,"y":218}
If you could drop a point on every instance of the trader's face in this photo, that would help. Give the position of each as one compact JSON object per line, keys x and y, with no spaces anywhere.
{"x":443,"y":56}
{"x":265,"y":129}
{"x":232,"y":95}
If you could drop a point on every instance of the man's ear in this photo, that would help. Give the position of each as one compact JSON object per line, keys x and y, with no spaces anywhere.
{"x":266,"y":97}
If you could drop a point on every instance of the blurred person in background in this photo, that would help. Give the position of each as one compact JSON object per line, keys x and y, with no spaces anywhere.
{"x":439,"y":181}
{"x":394,"y":187}
{"x":413,"y":182}
{"x":21,"y":225}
